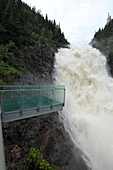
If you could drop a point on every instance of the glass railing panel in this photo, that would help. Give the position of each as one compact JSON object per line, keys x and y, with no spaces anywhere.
{"x":11,"y":101}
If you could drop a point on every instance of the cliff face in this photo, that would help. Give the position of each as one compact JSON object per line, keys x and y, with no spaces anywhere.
{"x":103,"y":40}
{"x":45,"y":131}
{"x":109,"y":55}
{"x":39,"y":64}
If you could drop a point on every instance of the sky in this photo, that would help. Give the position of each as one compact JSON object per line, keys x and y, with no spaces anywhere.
{"x":79,"y":19}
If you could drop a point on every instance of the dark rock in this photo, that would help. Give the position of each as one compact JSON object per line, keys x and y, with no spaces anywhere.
{"x":38,"y":64}
{"x":44,"y":131}
{"x":65,"y":46}
{"x":94,"y":43}
{"x":109,"y":57}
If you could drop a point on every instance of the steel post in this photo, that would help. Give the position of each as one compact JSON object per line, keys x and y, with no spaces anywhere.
{"x":39,"y":99}
{"x":52,"y":97}
{"x":21,"y":111}
{"x":64,"y":97}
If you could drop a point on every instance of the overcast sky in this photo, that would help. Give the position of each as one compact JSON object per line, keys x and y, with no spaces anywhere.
{"x":79,"y":19}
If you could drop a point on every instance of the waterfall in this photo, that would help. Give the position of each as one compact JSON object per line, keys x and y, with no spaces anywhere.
{"x":89,"y":102}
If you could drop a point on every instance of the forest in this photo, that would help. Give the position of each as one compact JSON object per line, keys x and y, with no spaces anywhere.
{"x":104,"y":42}
{"x":104,"y":37}
{"x":21,"y":27}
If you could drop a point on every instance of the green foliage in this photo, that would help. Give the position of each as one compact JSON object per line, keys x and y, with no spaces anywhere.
{"x":7,"y":72}
{"x":104,"y":37}
{"x":35,"y":160}
{"x":20,"y":28}
{"x":17,"y":147}
{"x":45,"y":165}
{"x":43,"y":33}
{"x":106,"y":32}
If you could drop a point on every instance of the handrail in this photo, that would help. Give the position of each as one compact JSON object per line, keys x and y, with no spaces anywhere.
{"x":31,"y":89}
{"x":33,"y":86}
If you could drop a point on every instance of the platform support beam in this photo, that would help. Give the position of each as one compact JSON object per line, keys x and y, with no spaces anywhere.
{"x":2,"y":154}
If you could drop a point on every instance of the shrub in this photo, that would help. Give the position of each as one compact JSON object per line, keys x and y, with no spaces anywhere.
{"x":35,"y":160}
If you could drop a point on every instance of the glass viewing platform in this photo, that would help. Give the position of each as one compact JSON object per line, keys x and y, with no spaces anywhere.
{"x":19,"y":102}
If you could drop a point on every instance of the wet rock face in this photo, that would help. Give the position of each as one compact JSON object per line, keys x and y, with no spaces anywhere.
{"x":95,"y":44}
{"x":39,"y":64}
{"x":109,"y":57}
{"x":43,"y":131}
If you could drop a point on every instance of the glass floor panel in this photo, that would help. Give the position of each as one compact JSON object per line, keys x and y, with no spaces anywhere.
{"x":14,"y":104}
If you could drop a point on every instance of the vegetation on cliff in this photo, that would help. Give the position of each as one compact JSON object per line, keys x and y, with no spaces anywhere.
{"x":23,"y":32}
{"x":104,"y":37}
{"x":103,"y":40}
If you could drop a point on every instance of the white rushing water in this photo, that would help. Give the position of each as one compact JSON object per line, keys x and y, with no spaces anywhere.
{"x":89,"y":101}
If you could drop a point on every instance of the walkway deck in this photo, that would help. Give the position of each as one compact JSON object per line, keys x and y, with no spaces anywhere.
{"x":19,"y":102}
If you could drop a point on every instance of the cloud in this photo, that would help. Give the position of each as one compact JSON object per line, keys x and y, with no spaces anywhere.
{"x":79,"y":19}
